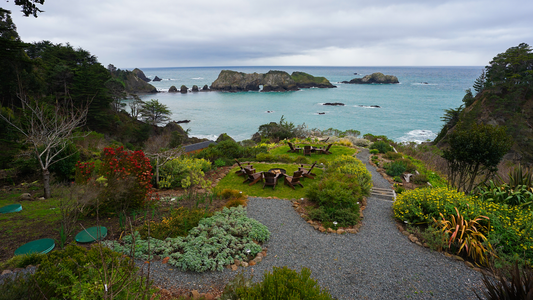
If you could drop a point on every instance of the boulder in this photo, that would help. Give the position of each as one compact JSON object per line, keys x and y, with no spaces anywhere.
{"x":334,"y":103}
{"x":183,"y":89}
{"x":157,"y":79}
{"x":374,"y":78}
{"x":195,"y":88}
{"x":205,"y":88}
{"x":26,"y":196}
{"x":173,"y":89}
{"x":141,"y":75}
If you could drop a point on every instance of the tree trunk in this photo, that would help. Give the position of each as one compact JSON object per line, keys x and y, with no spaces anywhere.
{"x":46,"y":184}
{"x":157,"y":171}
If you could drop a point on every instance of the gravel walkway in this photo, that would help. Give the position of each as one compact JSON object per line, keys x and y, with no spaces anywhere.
{"x":376,"y":263}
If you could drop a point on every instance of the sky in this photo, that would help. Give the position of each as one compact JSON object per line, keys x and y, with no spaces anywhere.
{"x":174,"y":33}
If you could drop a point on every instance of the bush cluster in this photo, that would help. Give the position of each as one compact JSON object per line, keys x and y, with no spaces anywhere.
{"x":282,"y":283}
{"x":339,"y":191}
{"x":175,"y":171}
{"x":381,"y":146}
{"x":510,"y":232}
{"x":216,"y":241}
{"x":78,"y":273}
{"x":229,"y":150}
{"x":180,"y":221}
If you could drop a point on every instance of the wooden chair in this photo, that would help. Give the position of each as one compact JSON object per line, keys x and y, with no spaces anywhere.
{"x":241,"y":171}
{"x":293,"y":180}
{"x":307,"y":150}
{"x":307,"y":172}
{"x":270,"y":179}
{"x":325,"y":151}
{"x":253,"y":177}
{"x":294,"y":149}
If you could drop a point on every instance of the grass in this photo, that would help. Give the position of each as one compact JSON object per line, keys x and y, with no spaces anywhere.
{"x":282,"y":191}
{"x":335,"y":150}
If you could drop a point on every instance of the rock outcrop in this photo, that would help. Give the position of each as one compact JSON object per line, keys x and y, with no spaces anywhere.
{"x":278,"y":81}
{"x":173,"y":89}
{"x":334,"y":103}
{"x":205,"y":88}
{"x":304,"y":80}
{"x":194,"y":88}
{"x":140,"y":74}
{"x":133,"y":84}
{"x":232,"y":81}
{"x":273,"y":81}
{"x":374,"y":78}
{"x":157,"y":79}
{"x":183,"y":89}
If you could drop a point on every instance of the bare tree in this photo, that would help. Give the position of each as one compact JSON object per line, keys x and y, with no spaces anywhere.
{"x":48,"y":129}
{"x":135,"y":105}
{"x":156,"y":149}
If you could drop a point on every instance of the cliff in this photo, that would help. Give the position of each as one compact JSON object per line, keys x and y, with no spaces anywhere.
{"x":374,"y":78}
{"x":133,"y":84}
{"x":273,"y":81}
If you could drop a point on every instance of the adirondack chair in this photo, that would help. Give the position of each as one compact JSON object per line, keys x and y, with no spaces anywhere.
{"x":307,"y":172}
{"x":253,"y":177}
{"x":270,"y":179}
{"x":294,"y":149}
{"x":326,"y":150}
{"x":307,"y":150}
{"x":293,"y":180}
{"x":241,"y":172}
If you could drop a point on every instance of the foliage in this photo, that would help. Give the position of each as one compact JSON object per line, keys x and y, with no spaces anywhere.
{"x":154,"y":112}
{"x":519,"y":286}
{"x":282,"y":283}
{"x":521,"y":195}
{"x":393,"y":155}
{"x":511,"y":69}
{"x":420,"y":179}
{"x":281,"y":130}
{"x":340,"y":133}
{"x":174,"y":172}
{"x":479,"y":84}
{"x":229,"y":149}
{"x":125,"y":175}
{"x":468,"y":99}
{"x":180,"y":221}
{"x":350,"y":165}
{"x":395,"y":168}
{"x":465,"y":237}
{"x":216,"y":242}
{"x":65,"y":167}
{"x":374,"y":151}
{"x":475,"y":151}
{"x":219,"y":163}
{"x":511,"y":229}
{"x":518,"y":176}
{"x":381,"y":146}
{"x":78,"y":273}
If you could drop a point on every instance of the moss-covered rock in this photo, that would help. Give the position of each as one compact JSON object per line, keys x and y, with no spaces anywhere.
{"x":233,"y":81}
{"x":374,"y":78}
{"x":304,"y":80}
{"x":278,"y":81}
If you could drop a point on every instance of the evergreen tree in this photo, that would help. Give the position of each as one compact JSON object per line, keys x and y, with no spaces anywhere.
{"x":479,"y":84}
{"x":154,"y":112}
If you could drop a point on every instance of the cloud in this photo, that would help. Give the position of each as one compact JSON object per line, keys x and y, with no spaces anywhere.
{"x":166,"y":33}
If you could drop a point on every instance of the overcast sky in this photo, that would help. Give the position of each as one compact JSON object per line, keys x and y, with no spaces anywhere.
{"x":166,"y":33}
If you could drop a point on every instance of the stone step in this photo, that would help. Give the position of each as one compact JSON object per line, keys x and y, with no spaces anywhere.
{"x":387,"y":194}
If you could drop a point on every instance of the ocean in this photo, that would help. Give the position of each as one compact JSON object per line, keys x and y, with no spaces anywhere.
{"x":408,"y":111}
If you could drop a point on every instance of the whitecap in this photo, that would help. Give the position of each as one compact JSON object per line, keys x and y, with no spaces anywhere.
{"x":197,"y":78}
{"x":211,"y":137}
{"x":418,"y":136}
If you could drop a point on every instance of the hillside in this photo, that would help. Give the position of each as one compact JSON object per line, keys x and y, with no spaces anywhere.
{"x":504,"y":97}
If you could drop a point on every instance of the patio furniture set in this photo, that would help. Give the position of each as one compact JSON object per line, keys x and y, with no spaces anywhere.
{"x":307,"y":150}
{"x":271,"y":176}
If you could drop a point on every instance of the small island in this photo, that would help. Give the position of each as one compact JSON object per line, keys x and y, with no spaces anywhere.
{"x":273,"y":81}
{"x":374,"y":78}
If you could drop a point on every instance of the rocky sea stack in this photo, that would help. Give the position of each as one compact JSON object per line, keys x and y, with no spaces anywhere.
{"x":273,"y":81}
{"x":374,"y":78}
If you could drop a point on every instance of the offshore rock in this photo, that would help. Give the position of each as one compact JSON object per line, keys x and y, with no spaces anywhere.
{"x":232,"y":81}
{"x":157,"y":79}
{"x":278,"y":81}
{"x":183,"y":89}
{"x":195,"y":88}
{"x":173,"y":89}
{"x":334,"y":103}
{"x":205,"y":88}
{"x":133,"y":84}
{"x":304,"y":80}
{"x":374,"y":78}
{"x":141,"y":75}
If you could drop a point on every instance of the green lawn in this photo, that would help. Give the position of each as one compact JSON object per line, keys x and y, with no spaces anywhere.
{"x":232,"y":181}
{"x":335,"y":150}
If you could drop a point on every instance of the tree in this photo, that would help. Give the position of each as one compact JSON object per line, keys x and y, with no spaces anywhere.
{"x":468,"y":99}
{"x":48,"y":129}
{"x":29,"y":7}
{"x":154,"y":112}
{"x":474,"y":152}
{"x":136,"y":105}
{"x":479,"y":84}
{"x":512,"y":69}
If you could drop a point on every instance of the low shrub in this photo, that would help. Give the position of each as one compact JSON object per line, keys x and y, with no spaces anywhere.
{"x":216,"y":242}
{"x":282,"y":283}
{"x":393,"y":155}
{"x":231,"y":194}
{"x":519,"y":285}
{"x":420,"y":179}
{"x":285,"y":158}
{"x":175,"y":171}
{"x":180,"y":221}
{"x":236,"y":202}
{"x":350,"y":165}
{"x":397,"y":179}
{"x":266,"y":157}
{"x":220,"y":163}
{"x":504,"y":194}
{"x":374,"y":151}
{"x":335,"y":191}
{"x":395,"y":168}
{"x":381,"y":146}
{"x":302,"y":160}
{"x":409,"y":166}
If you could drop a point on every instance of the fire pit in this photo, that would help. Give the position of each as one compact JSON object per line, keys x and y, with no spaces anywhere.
{"x":278,"y":171}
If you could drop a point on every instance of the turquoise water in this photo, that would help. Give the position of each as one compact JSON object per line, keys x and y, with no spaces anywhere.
{"x":410,"y":111}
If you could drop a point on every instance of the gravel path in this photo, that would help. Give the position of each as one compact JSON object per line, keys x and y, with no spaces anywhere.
{"x":376,"y":263}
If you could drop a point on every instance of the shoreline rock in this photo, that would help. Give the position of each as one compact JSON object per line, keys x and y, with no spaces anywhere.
{"x":374,"y":78}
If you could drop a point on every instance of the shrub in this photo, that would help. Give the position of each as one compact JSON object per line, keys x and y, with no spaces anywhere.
{"x":504,"y":194}
{"x":419,"y":179}
{"x":180,"y":221}
{"x":374,"y":151}
{"x":175,"y":171}
{"x":395,"y":168}
{"x":267,"y":157}
{"x":519,"y":286}
{"x":393,"y":155}
{"x":216,"y":242}
{"x":301,"y":160}
{"x":236,"y":202}
{"x":335,"y":190}
{"x":220,"y":163}
{"x":350,"y":165}
{"x":282,"y":283}
{"x":397,"y":179}
{"x":381,"y":146}
{"x":409,"y":166}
